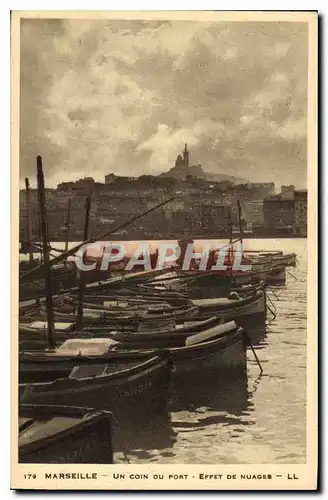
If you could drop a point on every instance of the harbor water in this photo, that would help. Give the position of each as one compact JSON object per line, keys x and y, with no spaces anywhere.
{"x":260,"y":419}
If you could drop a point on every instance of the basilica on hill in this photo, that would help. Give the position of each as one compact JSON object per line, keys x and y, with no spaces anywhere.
{"x":182,"y":169}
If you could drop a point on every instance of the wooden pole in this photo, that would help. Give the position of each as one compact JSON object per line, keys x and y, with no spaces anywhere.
{"x":68,"y":221}
{"x":230,"y":253}
{"x":45,"y":251}
{"x":40,"y":237}
{"x":230,"y":227}
{"x":240,"y":222}
{"x":29,"y":220}
{"x":240,"y":229}
{"x":79,"y":317}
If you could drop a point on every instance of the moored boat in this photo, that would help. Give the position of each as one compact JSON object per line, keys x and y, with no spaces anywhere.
{"x":64,"y":434}
{"x":221,"y":348}
{"x":219,"y":357}
{"x":79,"y":374}
{"x":277,"y":276}
{"x":213,"y":351}
{"x":234,"y":307}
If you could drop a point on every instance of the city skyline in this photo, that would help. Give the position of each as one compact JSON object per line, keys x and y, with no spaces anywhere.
{"x":122,"y":97}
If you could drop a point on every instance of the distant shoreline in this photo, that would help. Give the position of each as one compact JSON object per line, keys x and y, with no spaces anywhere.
{"x":136,"y":237}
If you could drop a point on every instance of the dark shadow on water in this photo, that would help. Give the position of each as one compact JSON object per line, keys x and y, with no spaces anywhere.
{"x":257,"y":332}
{"x":192,"y":407}
{"x":209,"y":402}
{"x":140,"y":441}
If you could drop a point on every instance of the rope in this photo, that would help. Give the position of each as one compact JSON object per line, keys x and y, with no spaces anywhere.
{"x":301,"y":281}
{"x":253,"y":350}
{"x":274,"y":293}
{"x":272,"y":304}
{"x":273,"y":314}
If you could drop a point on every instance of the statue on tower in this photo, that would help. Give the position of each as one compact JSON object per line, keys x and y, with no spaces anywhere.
{"x":186,"y":156}
{"x":183,"y":161}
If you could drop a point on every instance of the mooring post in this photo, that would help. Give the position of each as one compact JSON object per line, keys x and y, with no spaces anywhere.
{"x":79,"y":317}
{"x":45,"y":251}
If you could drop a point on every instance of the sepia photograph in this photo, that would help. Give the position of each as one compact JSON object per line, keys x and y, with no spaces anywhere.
{"x":164,"y":189}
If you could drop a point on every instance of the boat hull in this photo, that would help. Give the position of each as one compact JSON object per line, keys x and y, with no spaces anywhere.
{"x":82,"y":435}
{"x":132,"y":394}
{"x":277,"y":277}
{"x":254,"y":310}
{"x":218,"y":357}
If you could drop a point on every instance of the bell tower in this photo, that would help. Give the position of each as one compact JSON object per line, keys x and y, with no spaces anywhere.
{"x":186,"y":156}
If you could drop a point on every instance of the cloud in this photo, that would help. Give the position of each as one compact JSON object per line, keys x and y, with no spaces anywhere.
{"x":124,"y":97}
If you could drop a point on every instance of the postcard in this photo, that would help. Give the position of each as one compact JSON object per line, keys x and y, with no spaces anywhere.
{"x":164,"y":250}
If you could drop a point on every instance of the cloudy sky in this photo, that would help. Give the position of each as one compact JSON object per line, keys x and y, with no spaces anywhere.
{"x":124,"y":96}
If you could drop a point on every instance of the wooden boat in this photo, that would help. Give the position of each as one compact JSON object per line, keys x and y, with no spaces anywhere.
{"x":32,"y":339}
{"x":64,"y":435}
{"x":279,"y":258}
{"x":210,"y":285}
{"x":34,"y":336}
{"x":223,"y":356}
{"x":202,"y":354}
{"x":30,"y":335}
{"x":117,"y":308}
{"x":65,"y":281}
{"x":254,"y":277}
{"x":144,"y":308}
{"x":287,"y":260}
{"x":179,"y":337}
{"x":239,"y":309}
{"x":79,"y":374}
{"x":64,"y":277}
{"x":138,"y":296}
{"x":120,"y":312}
{"x":277,"y":276}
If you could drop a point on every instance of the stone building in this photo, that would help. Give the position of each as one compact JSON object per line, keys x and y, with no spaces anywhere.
{"x":287,"y":212}
{"x":279,"y":214}
{"x":300,"y":227}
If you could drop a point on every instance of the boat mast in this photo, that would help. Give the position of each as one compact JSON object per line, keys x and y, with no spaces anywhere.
{"x":240,"y":228}
{"x":230,"y":253}
{"x":240,"y":222}
{"x":230,"y":227}
{"x":28,"y":220}
{"x":79,"y":316}
{"x":45,"y":251}
{"x":68,"y":221}
{"x":40,"y":237}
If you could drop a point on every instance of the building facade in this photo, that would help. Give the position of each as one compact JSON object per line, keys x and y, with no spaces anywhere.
{"x":287,"y":212}
{"x":279,"y":214}
{"x":301,"y":213}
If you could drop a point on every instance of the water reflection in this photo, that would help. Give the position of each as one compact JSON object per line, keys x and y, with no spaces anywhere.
{"x":131,"y":443}
{"x":210,"y":401}
{"x":261,"y":419}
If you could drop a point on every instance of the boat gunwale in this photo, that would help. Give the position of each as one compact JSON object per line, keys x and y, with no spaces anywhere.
{"x":89,"y":418}
{"x":153,"y":363}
